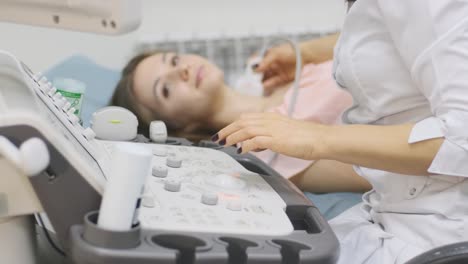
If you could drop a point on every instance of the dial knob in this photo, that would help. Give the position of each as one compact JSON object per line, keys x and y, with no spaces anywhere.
{"x":172,"y":186}
{"x":159,"y":151}
{"x":148,"y":201}
{"x":174,"y":162}
{"x":209,"y":198}
{"x":159,"y":171}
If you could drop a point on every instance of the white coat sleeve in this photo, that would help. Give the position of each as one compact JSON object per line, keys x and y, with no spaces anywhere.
{"x":432,"y":38}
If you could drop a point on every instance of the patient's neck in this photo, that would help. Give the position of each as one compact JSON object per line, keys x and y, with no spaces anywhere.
{"x":232,"y":104}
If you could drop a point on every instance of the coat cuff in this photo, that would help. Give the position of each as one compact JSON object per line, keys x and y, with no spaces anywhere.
{"x":451,"y":159}
{"x":425,"y":129}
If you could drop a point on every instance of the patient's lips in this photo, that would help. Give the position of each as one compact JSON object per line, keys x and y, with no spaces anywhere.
{"x":199,"y":76}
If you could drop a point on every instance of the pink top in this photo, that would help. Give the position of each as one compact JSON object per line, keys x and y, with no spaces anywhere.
{"x":318,"y":100}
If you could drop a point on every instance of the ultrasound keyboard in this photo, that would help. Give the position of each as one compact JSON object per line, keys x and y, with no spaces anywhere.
{"x":204,"y":190}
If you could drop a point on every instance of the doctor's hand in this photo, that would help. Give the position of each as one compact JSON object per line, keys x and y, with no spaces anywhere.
{"x":278,"y":67}
{"x":276,"y":132}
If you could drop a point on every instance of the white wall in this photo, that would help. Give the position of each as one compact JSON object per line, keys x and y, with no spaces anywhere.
{"x":41,"y":47}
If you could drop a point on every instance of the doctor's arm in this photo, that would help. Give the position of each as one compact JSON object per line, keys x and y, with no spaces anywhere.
{"x":377,"y":147}
{"x":324,"y":176}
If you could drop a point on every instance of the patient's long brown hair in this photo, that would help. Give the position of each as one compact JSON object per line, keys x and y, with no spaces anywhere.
{"x":124,"y":95}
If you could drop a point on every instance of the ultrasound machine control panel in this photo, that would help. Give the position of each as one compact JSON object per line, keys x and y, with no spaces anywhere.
{"x":199,"y":205}
{"x":205,"y":190}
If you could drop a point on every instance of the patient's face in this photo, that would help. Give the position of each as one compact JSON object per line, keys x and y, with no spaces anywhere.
{"x":179,"y":87}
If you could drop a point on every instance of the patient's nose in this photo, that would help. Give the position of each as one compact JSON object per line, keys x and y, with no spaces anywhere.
{"x":184,"y":72}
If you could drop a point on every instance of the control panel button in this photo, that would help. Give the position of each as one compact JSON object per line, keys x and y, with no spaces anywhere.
{"x":67,"y":106}
{"x":172,"y":186}
{"x":61,"y":102}
{"x":71,"y":111}
{"x":73,"y":119}
{"x":52,"y":91}
{"x":38,"y":77}
{"x":89,"y":134}
{"x":148,"y":201}
{"x":43,"y":84}
{"x":49,"y":86}
{"x":209,"y":198}
{"x":159,"y":171}
{"x":57,"y":96}
{"x":174,"y":162}
{"x":160,"y":152}
{"x":234,"y":205}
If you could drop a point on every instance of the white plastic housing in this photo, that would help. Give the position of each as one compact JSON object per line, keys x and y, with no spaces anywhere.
{"x":103,"y":16}
{"x":131,"y":164}
{"x":114,"y":123}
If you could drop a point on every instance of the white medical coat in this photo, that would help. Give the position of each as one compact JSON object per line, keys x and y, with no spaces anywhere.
{"x":406,"y":61}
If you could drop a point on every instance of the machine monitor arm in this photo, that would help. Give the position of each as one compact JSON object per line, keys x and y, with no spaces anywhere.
{"x":103,"y":17}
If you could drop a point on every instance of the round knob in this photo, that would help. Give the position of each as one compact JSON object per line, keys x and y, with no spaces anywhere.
{"x":174,"y":162}
{"x":35,"y":156}
{"x":158,"y":132}
{"x":159,"y":171}
{"x":161,"y":152}
{"x":172,"y":186}
{"x":73,"y":119}
{"x":209,"y":198}
{"x":148,"y":201}
{"x":234,"y":205}
{"x":89,"y":134}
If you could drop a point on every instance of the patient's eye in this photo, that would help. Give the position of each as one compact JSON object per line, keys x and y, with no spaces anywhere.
{"x":165,"y":91}
{"x":175,"y":60}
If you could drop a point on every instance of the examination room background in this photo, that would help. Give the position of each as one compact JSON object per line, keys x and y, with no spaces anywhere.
{"x":41,"y":48}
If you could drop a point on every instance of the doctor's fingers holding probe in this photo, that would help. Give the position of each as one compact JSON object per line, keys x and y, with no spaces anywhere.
{"x":279,"y":63}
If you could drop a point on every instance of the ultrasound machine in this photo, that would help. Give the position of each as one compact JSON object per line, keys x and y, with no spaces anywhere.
{"x":201,"y":203}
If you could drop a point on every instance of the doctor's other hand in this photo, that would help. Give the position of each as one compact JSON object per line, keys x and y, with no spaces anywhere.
{"x":300,"y":139}
{"x":278,"y":67}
